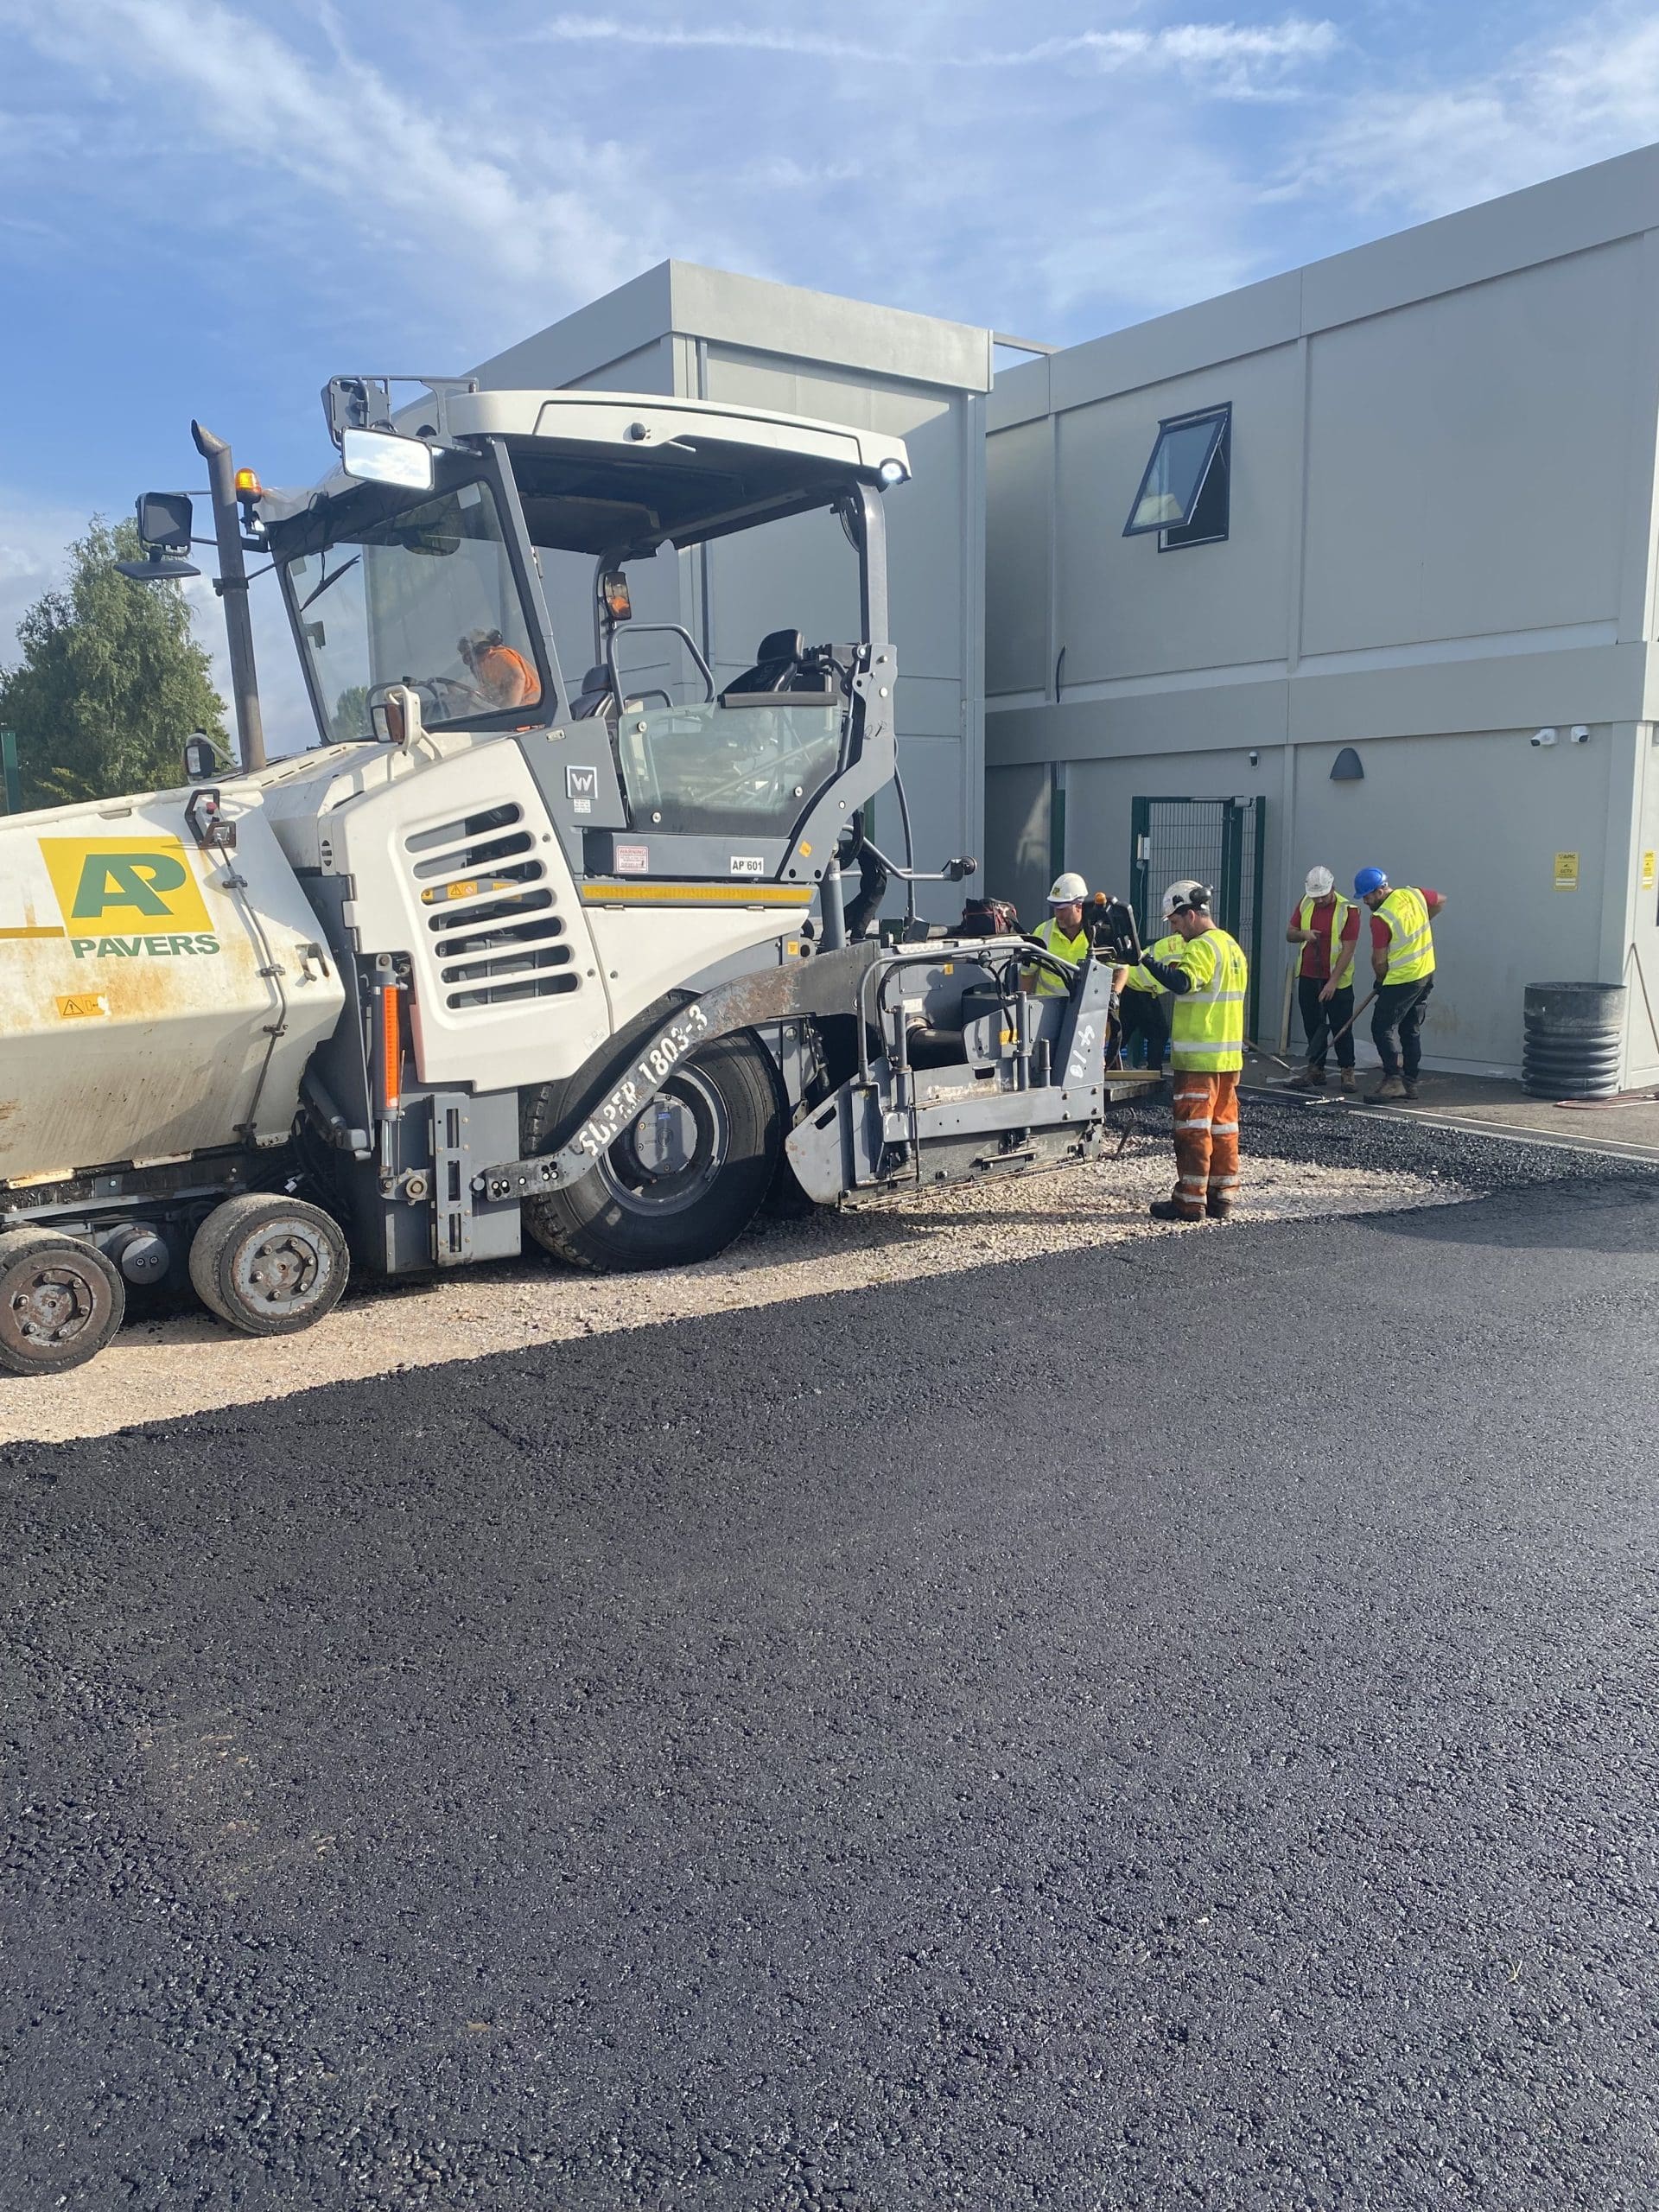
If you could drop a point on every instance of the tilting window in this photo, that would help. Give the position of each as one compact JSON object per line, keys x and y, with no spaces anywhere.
{"x":1184,"y":493}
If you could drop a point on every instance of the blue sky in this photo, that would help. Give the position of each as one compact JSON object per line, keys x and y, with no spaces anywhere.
{"x":208,"y":208}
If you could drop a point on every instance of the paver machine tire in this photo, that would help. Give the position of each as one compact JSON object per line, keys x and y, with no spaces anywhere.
{"x":678,"y":1185}
{"x":269,"y":1265}
{"x":60,"y":1302}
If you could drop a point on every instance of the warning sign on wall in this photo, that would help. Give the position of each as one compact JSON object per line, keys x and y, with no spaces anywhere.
{"x":1649,"y":870}
{"x":1566,"y":871}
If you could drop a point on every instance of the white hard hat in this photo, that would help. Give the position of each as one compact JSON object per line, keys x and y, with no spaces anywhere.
{"x":1320,"y":882}
{"x":1188,"y":893}
{"x":1067,"y":890}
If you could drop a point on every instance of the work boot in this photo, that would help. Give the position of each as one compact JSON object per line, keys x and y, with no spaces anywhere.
{"x":1390,"y":1087}
{"x":1307,"y":1078}
{"x":1409,"y":1084}
{"x":1218,"y":1209}
{"x":1171,"y":1209}
{"x":1345,"y":1077}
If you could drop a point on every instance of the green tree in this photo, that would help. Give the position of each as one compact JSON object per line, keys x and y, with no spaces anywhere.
{"x":351,"y":717}
{"x":112,"y":681}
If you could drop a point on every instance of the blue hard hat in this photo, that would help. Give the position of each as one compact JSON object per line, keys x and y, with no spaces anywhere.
{"x":1368,"y":880}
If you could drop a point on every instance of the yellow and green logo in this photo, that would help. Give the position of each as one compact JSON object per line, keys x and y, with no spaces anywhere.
{"x":109,"y":887}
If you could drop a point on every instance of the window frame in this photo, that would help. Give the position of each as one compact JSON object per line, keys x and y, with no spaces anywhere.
{"x":483,"y":461}
{"x":1171,"y":538}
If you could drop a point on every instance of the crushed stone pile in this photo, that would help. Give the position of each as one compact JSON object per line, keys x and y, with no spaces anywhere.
{"x":1301,"y":1164}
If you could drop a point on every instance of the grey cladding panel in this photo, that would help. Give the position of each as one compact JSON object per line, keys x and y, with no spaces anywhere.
{"x":1213,"y":333}
{"x":1469,"y":457}
{"x":1125,"y":607}
{"x":1018,"y":479}
{"x":1016,"y":859}
{"x":800,"y":574}
{"x":792,"y":323}
{"x":1506,"y":925}
{"x":925,"y":517}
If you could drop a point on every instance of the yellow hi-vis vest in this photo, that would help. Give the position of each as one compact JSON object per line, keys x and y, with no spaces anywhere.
{"x":1340,"y":910}
{"x":1053,"y":939}
{"x":1411,"y":941}
{"x":1207,"y":1022}
{"x":1138,"y":979}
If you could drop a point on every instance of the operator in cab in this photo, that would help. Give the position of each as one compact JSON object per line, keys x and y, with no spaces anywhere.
{"x":501,"y":677}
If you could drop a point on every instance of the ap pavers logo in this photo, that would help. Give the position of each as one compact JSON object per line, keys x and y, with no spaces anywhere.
{"x":105,"y":885}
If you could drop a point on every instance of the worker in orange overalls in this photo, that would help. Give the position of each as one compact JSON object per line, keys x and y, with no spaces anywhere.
{"x":505,"y":678}
{"x":1209,"y":981}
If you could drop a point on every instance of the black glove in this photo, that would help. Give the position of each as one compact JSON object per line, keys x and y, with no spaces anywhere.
{"x":1111,"y":926}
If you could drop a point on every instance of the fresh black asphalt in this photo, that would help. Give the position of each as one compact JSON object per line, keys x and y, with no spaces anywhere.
{"x":1168,"y":1728}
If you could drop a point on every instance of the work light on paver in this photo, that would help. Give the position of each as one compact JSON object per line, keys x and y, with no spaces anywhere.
{"x":165,"y":520}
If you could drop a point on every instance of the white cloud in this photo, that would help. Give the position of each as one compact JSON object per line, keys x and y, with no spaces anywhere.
{"x":1548,"y":106}
{"x":34,"y":538}
{"x":1236,"y":55}
{"x":406,"y":178}
{"x":419,"y":176}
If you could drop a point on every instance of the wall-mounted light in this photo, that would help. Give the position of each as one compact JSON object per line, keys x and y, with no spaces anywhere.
{"x":1347,"y":767}
{"x":1255,"y":759}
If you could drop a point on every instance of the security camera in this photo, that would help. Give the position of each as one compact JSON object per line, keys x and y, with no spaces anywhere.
{"x":1542,"y":737}
{"x":1255,"y":759}
{"x":1579,"y":733}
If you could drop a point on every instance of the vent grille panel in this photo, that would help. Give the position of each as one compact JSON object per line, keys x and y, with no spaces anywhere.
{"x":493,"y":933}
{"x":532,"y":986}
{"x":471,"y":825}
{"x":530,"y":961}
{"x":490,"y":853}
{"x":455,"y":948}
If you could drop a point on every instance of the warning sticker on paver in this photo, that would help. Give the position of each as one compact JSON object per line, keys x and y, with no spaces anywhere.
{"x":1566,"y":871}
{"x":82,"y":1005}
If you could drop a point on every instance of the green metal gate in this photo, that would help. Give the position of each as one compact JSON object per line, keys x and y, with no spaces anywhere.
{"x":1219,"y":840}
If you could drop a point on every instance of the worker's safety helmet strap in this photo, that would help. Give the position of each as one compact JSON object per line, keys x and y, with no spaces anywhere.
{"x":1369,"y":879}
{"x":1320,"y":882}
{"x":1188,"y":896}
{"x":1067,"y":890}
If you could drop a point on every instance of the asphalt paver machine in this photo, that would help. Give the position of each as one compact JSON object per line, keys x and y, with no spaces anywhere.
{"x":499,"y":953}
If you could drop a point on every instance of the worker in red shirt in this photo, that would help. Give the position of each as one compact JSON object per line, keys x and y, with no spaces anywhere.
{"x":1326,"y":926}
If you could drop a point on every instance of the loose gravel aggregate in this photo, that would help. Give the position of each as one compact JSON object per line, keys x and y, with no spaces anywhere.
{"x":1300,"y":1162}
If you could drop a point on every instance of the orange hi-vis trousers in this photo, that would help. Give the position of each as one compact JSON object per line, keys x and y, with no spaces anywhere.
{"x":1206,"y":1140}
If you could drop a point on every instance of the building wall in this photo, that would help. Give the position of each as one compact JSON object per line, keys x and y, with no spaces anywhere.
{"x":1125,"y":610}
{"x":1017,"y":833}
{"x":701,"y":333}
{"x":1440,"y":540}
{"x":1468,"y":458}
{"x":1642,"y":965}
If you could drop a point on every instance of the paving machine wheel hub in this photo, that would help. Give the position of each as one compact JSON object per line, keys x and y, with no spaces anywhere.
{"x":60,"y":1302}
{"x":667,"y":1159}
{"x":280,"y":1270}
